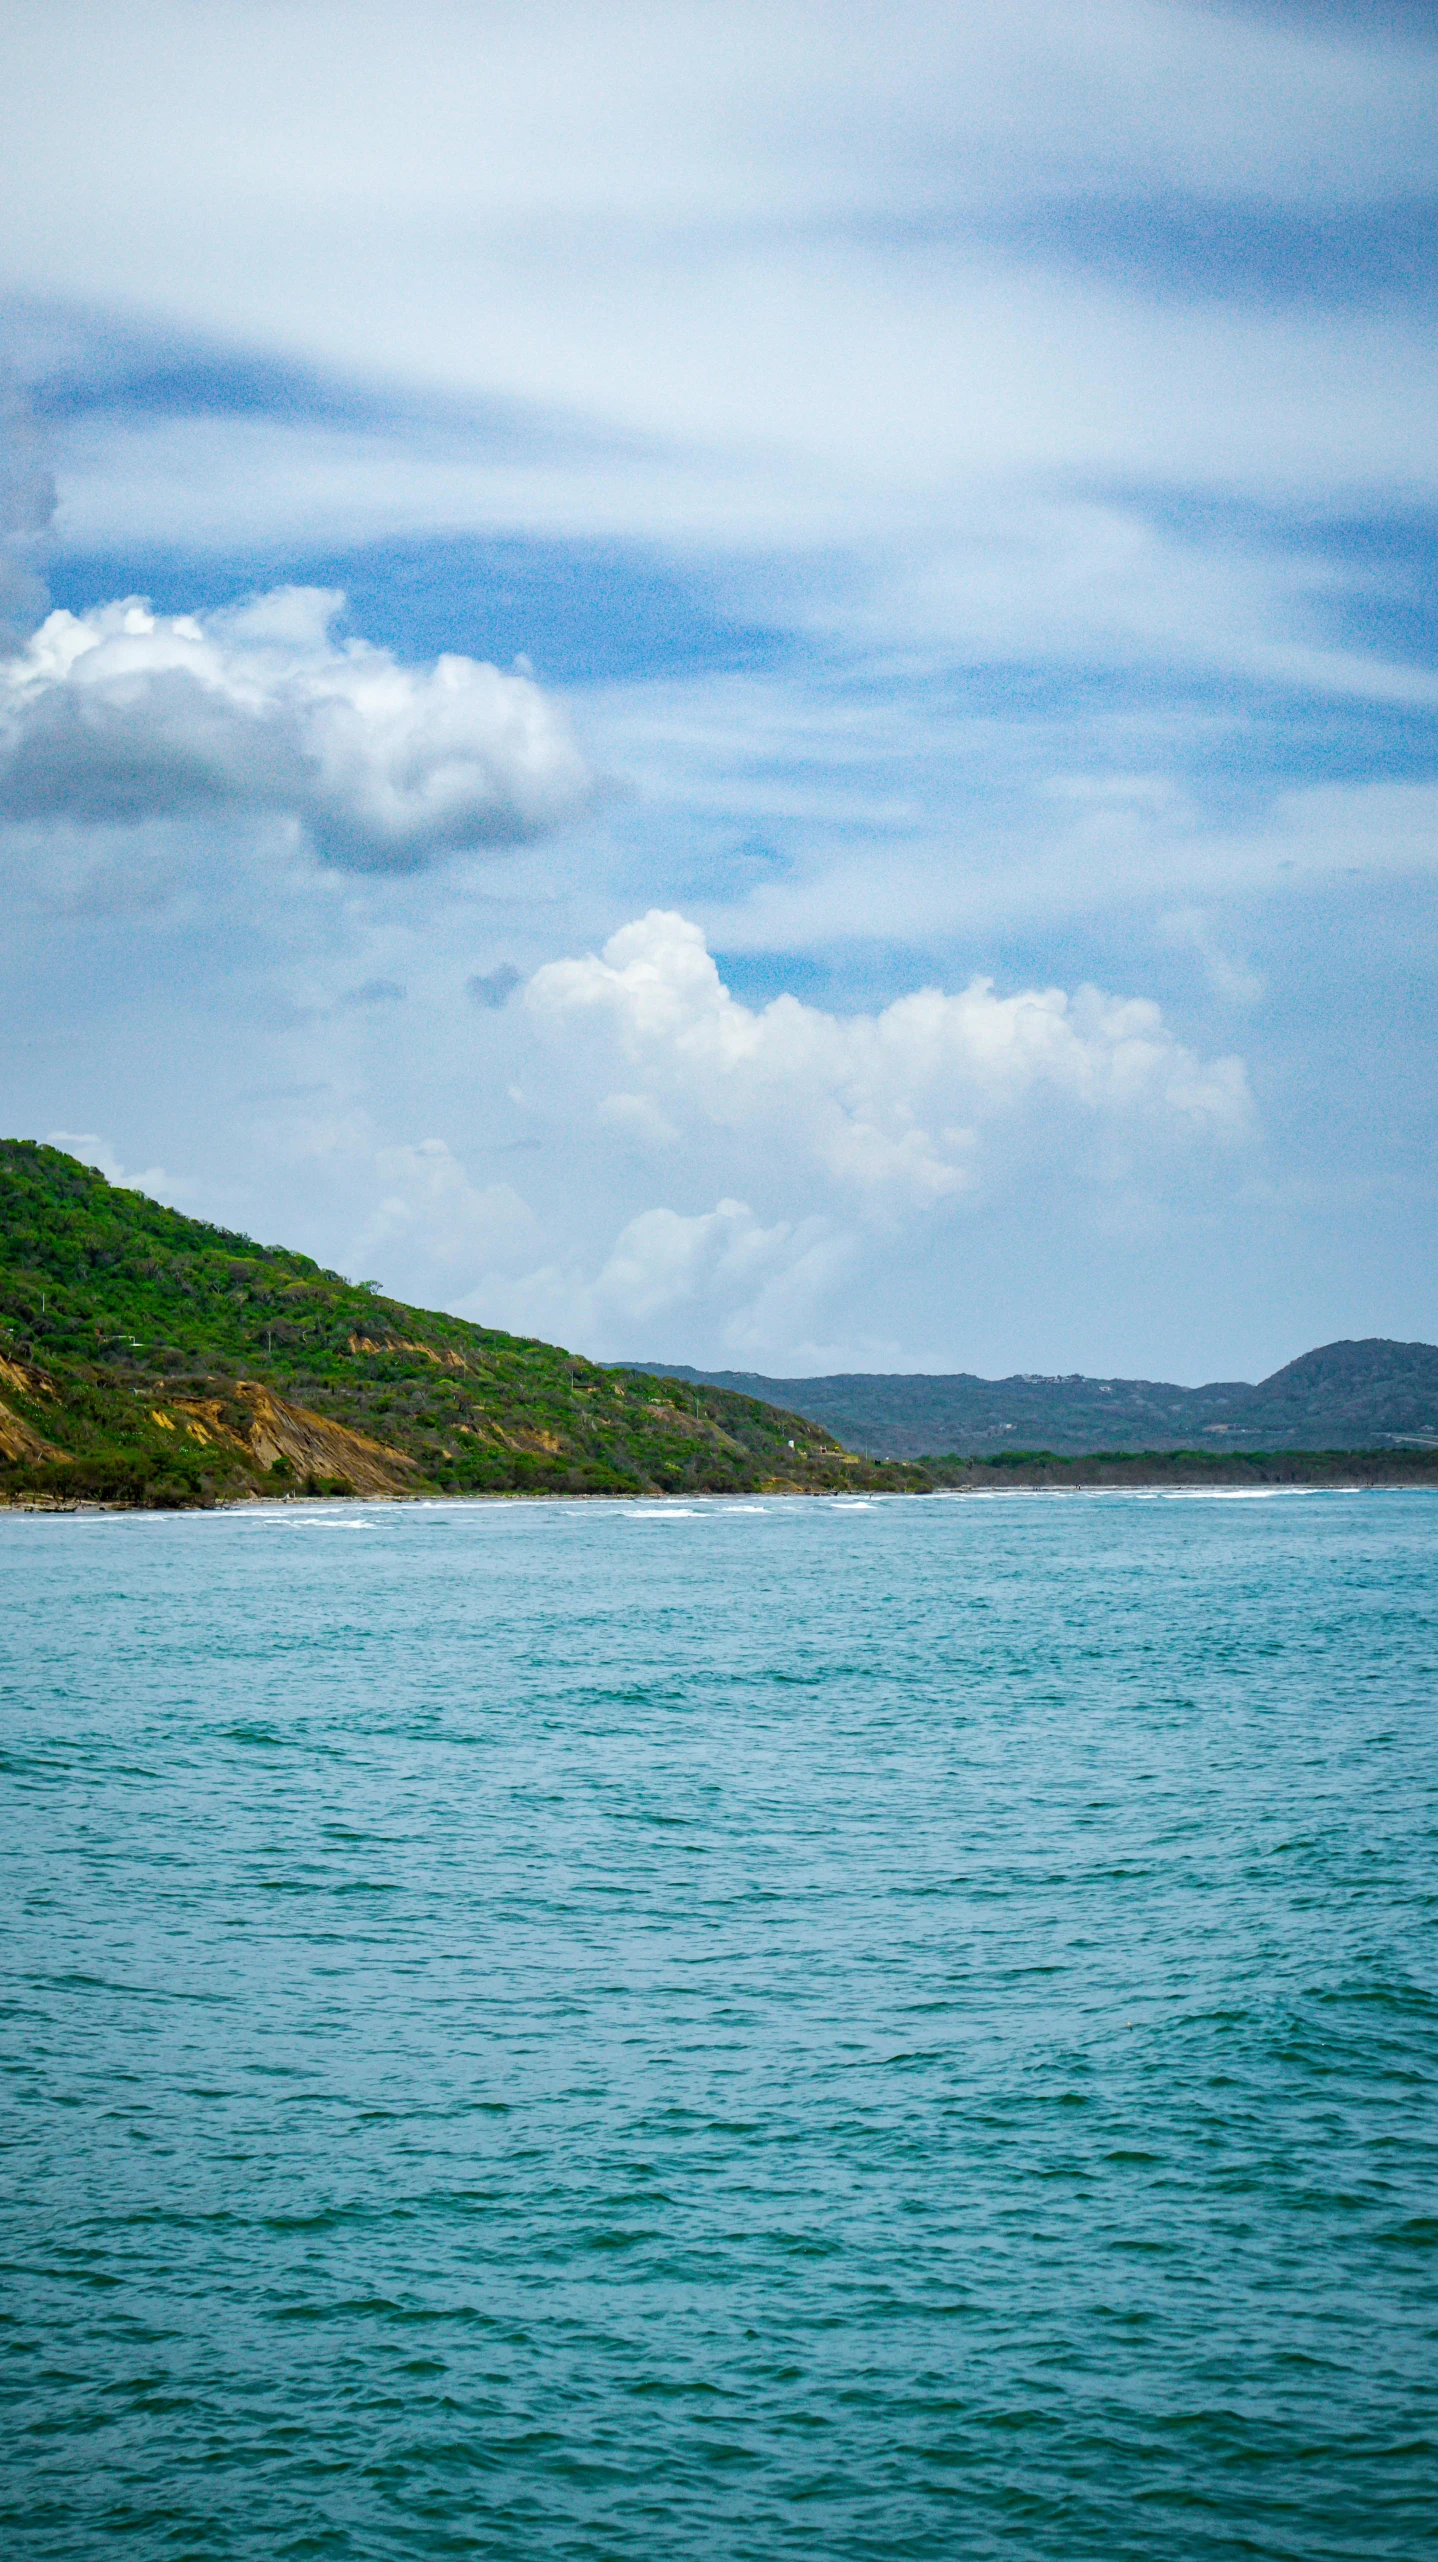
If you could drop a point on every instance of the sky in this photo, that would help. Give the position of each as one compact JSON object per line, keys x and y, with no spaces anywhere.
{"x":748,"y":685}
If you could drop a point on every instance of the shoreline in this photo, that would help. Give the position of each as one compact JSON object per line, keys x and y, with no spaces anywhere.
{"x":1177,"y":1487}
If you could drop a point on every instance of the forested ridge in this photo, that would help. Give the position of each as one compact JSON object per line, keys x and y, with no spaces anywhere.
{"x":150,"y":1358}
{"x":147,"y":1356}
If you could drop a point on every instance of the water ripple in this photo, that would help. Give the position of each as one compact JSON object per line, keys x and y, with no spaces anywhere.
{"x":913,"y":2045}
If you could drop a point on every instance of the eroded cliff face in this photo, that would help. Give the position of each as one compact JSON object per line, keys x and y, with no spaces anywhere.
{"x":17,"y":1441}
{"x":444,"y":1357}
{"x":247,"y":1424}
{"x":313,"y":1445}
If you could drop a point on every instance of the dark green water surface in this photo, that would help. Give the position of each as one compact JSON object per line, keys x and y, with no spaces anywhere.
{"x":591,"y":2031}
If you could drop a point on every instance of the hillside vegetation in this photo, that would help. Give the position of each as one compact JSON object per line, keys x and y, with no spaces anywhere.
{"x":1371,"y":1395}
{"x":146,"y":1357}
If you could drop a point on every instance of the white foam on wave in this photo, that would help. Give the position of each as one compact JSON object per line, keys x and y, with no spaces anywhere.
{"x":319,"y":1521}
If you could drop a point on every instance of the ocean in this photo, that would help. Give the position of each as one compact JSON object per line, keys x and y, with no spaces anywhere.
{"x":584,"y":2031}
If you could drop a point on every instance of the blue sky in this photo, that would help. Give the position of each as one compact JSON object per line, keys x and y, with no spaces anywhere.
{"x":839,"y":770}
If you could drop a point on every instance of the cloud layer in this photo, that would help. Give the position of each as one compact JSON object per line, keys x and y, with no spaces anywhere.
{"x":758,"y":1179}
{"x":124,"y":715}
{"x":891,"y":1106}
{"x":722,"y":1273}
{"x":975,"y":473}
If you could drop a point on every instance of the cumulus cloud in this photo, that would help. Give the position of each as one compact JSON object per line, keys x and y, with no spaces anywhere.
{"x":895,"y":1107}
{"x":428,"y":1207}
{"x":722,"y":1274}
{"x":93,"y":1150}
{"x":124,"y":715}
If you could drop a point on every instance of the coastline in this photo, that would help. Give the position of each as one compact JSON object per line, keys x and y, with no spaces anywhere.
{"x":1364,"y":1474}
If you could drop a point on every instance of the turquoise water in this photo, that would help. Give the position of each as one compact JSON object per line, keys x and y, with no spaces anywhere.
{"x":773,"y":2029}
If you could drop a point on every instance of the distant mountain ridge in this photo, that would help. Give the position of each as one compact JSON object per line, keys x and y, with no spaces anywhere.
{"x":1368,"y":1395}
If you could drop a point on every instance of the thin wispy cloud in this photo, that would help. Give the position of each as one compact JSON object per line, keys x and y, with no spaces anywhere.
{"x":27,"y":505}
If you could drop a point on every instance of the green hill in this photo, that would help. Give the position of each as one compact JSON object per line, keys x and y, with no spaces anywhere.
{"x":146,"y":1357}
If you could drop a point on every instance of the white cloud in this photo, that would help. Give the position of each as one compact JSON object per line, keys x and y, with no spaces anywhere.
{"x":122,"y":714}
{"x":1228,"y":974}
{"x":662,"y":1260}
{"x":895,"y":814}
{"x":836,"y":1151}
{"x":760,"y":254}
{"x":745,"y":1178}
{"x":719,"y":1275}
{"x":303,"y":122}
{"x":93,"y":1150}
{"x":429,"y":1208}
{"x":1022,"y":571}
{"x":365,"y":177}
{"x":897,"y":1108}
{"x":635,"y":1116}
